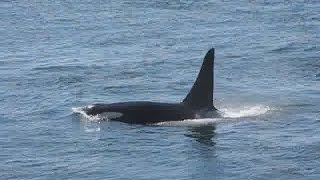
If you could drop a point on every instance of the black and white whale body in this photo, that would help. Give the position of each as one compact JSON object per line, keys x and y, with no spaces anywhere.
{"x":197,"y":104}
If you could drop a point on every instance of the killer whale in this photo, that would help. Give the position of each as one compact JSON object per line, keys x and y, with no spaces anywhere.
{"x":197,"y":104}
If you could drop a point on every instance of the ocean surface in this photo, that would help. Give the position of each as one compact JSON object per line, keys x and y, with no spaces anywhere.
{"x":59,"y":56}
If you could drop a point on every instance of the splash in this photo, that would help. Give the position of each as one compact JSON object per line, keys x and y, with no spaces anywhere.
{"x":91,"y":127}
{"x":90,"y":124}
{"x":246,"y":111}
{"x":84,"y":115}
{"x":101,"y":116}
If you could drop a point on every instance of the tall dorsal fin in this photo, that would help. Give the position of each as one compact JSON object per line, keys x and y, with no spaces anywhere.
{"x":201,"y":94}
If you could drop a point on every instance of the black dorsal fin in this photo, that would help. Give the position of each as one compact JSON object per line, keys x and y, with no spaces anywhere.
{"x":201,"y":94}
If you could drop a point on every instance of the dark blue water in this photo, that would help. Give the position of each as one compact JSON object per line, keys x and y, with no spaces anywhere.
{"x":57,"y":56}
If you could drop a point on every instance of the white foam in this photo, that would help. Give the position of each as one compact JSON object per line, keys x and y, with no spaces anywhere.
{"x":81,"y":111}
{"x":246,"y":111}
{"x":227,"y":113}
{"x":191,"y":122}
{"x":90,"y":124}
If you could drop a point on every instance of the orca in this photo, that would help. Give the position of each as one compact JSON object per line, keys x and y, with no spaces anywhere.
{"x":197,"y":104}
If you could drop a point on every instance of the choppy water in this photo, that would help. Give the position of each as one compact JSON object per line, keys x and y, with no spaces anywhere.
{"x":59,"y":55}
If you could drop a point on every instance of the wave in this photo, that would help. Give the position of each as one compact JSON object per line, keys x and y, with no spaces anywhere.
{"x":57,"y":68}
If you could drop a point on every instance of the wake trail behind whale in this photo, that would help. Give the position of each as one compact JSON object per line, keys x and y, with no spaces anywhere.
{"x":246,"y":111}
{"x":227,"y":114}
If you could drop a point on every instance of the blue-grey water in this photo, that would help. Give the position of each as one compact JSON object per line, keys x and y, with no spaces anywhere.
{"x":57,"y":56}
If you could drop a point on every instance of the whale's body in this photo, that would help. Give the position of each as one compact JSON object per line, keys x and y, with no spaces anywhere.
{"x":197,"y":104}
